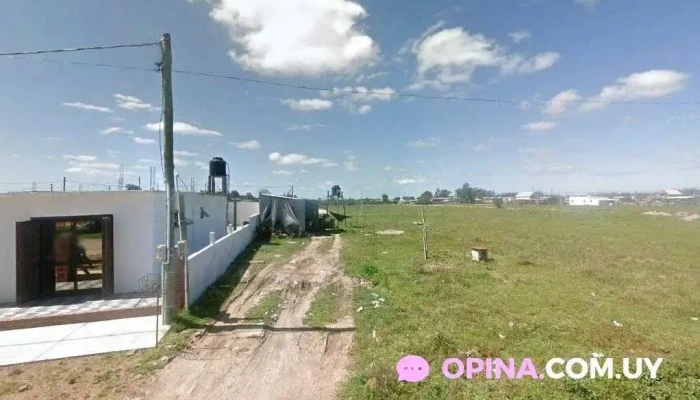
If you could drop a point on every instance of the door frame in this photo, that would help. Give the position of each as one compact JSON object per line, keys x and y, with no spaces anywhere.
{"x":107,"y":243}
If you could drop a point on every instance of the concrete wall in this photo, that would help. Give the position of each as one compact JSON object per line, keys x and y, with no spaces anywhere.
{"x":136,"y":214}
{"x":207,"y":265}
{"x":245,"y":210}
{"x":198,"y":231}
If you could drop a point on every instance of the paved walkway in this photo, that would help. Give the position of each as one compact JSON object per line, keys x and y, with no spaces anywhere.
{"x":61,"y":341}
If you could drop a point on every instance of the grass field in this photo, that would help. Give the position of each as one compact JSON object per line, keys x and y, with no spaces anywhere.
{"x":558,"y":279}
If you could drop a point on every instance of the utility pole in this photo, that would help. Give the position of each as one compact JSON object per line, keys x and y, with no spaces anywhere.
{"x":64,"y":183}
{"x":139,"y":183}
{"x":168,"y":287}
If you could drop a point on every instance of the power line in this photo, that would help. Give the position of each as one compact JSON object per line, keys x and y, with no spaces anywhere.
{"x":361,"y":92}
{"x":115,"y":46}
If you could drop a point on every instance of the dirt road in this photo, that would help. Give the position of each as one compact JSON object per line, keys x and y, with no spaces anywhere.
{"x":241,"y":359}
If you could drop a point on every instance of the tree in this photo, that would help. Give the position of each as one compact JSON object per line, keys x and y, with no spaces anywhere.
{"x":465,"y":194}
{"x":131,"y":186}
{"x":385,"y":198}
{"x":442,"y":193}
{"x":249,"y":196}
{"x":264,"y":191}
{"x":234,"y":195}
{"x":425,"y":198}
{"x":498,"y":202}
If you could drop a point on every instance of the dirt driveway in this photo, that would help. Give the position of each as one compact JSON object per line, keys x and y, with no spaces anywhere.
{"x":241,"y":359}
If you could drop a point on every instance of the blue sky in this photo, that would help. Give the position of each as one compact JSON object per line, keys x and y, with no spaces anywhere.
{"x":559,"y":66}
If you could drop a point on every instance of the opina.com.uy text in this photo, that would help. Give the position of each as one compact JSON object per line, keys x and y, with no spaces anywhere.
{"x":415,"y":368}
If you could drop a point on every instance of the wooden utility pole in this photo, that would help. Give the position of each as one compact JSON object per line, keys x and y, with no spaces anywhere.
{"x":425,"y":234}
{"x":168,"y":287}
{"x":64,"y":183}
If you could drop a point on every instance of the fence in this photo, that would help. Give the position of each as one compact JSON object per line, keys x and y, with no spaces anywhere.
{"x":208,"y":264}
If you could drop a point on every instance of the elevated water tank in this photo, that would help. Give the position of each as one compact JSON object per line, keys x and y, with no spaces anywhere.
{"x":217,"y":167}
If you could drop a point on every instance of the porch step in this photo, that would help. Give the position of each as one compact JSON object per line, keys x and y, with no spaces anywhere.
{"x":78,"y":317}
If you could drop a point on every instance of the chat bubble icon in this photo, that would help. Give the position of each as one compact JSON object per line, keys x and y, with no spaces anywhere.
{"x":412,"y":369}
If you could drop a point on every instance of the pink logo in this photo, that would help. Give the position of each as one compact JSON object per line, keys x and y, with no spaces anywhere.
{"x":412,"y":369}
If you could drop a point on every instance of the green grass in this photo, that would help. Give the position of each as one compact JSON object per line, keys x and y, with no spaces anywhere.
{"x":325,"y":309}
{"x":561,"y":275}
{"x":267,"y":308}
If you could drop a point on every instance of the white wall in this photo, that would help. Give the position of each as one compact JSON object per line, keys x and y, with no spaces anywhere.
{"x":135,"y":215}
{"x":207,"y":265}
{"x":584,"y":201}
{"x":245,"y":210}
{"x":198,"y":231}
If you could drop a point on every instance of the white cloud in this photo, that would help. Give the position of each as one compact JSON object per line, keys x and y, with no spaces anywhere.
{"x":648,"y":84}
{"x":115,"y":129}
{"x":182,"y":153}
{"x":351,"y":166}
{"x":552,"y":169}
{"x":524,"y":105}
{"x":363,"y":78}
{"x":296,"y":37}
{"x":307,"y":105}
{"x":533,"y":152}
{"x":133,"y":103}
{"x":295,"y":159}
{"x":140,"y":140}
{"x":249,"y":145}
{"x":79,"y":158}
{"x":88,"y":107}
{"x":520,"y":36}
{"x":422,"y":143}
{"x":356,"y":99}
{"x":184,"y":129}
{"x":364,"y":109}
{"x":540,"y":126}
{"x":147,"y":161}
{"x":329,"y":164}
{"x":53,"y":139}
{"x":561,"y":102}
{"x":283,"y":172}
{"x":409,"y":181}
{"x":451,"y":56}
{"x":587,"y":3}
{"x":202,"y":165}
{"x":180,"y":162}
{"x":388,"y":168}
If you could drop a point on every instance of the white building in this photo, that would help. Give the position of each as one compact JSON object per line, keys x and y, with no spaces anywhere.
{"x":58,"y":244}
{"x":590,"y":201}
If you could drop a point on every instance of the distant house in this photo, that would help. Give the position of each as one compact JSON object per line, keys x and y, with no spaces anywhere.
{"x":674,"y":196}
{"x":591,"y":201}
{"x":526,"y":197}
{"x":407,"y":200}
{"x":673,"y":192}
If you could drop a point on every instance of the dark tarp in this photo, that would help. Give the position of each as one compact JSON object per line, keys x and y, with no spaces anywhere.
{"x":279,"y":215}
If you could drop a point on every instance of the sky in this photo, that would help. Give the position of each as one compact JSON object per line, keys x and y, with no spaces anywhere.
{"x":583,"y":95}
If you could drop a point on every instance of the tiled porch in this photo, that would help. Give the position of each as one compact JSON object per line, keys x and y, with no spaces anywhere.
{"x":69,"y":310}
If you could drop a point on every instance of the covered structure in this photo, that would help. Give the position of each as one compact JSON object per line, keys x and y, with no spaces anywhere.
{"x":291,"y":215}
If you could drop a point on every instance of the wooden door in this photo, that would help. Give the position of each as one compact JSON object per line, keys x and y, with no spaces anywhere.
{"x":27,"y":238}
{"x":107,"y":256}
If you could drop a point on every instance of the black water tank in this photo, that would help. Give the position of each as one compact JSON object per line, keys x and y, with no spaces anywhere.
{"x":335,"y":191}
{"x":217,"y":167}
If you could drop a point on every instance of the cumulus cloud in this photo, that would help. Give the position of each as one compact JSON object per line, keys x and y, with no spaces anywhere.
{"x":561,"y":102}
{"x":303,"y":127}
{"x":540,"y":126}
{"x":295,"y":159}
{"x":520,"y":36}
{"x":88,"y":107}
{"x":388,"y":168}
{"x":140,"y":140}
{"x":307,"y":105}
{"x":184,"y":129}
{"x":283,"y":172}
{"x":296,"y":37}
{"x":133,"y":103}
{"x":357,"y":99}
{"x":642,"y":85}
{"x":450,"y":56}
{"x":249,"y":145}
